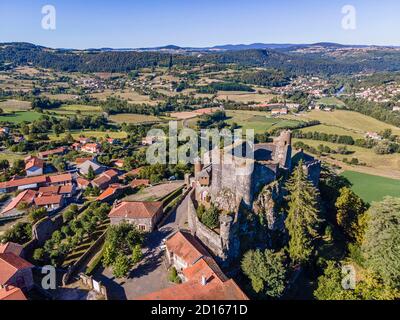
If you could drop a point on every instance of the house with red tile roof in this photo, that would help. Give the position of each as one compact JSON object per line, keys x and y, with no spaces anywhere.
{"x":11,"y":247}
{"x":47,"y":154}
{"x":140,"y":183}
{"x":112,"y":193}
{"x":105,"y":179}
{"x":34,"y":166}
{"x":50,"y":202}
{"x":145,"y":215}
{"x":82,"y":183}
{"x":202,"y":277}
{"x":23,"y":183}
{"x":12,"y":209}
{"x":11,"y":293}
{"x":15,"y":271}
{"x":119,"y":163}
{"x":91,"y":148}
{"x":60,"y":179}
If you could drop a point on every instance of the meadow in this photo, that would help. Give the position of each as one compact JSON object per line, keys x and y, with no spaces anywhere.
{"x":91,"y":134}
{"x":20,"y":116}
{"x":380,"y":165}
{"x":257,"y":120}
{"x":347,"y":120}
{"x":372,"y":188}
{"x":134,"y":118}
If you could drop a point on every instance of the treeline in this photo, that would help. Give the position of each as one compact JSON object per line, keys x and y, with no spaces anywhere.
{"x":266,"y":78}
{"x":224,"y":86}
{"x":382,"y":112}
{"x":97,"y":61}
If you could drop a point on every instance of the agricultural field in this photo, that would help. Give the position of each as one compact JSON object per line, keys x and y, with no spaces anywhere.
{"x":245,"y":97}
{"x":348,"y":120}
{"x":133,"y":118}
{"x":20,"y":116}
{"x":130,"y":95}
{"x":72,"y":110}
{"x":11,"y":156}
{"x":328,"y":129}
{"x":257,"y":120}
{"x":15,"y":105}
{"x":91,"y":134}
{"x":372,"y":188}
{"x":331,"y":101}
{"x":380,"y":165}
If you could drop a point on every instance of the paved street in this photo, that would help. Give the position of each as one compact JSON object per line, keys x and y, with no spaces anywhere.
{"x":151,"y":274}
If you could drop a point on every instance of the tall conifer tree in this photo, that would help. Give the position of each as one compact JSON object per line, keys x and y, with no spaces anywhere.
{"x":303,"y":216}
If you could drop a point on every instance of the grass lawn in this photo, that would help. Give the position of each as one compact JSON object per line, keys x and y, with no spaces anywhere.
{"x":73,"y":108}
{"x":372,"y":188}
{"x":20,"y":116}
{"x":245,"y":97}
{"x":133,"y":118}
{"x":257,"y":120}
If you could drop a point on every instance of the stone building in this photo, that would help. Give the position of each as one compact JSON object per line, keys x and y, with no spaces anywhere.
{"x":244,"y":181}
{"x":145,"y":215}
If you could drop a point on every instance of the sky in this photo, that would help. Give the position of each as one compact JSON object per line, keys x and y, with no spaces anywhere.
{"x":85,"y":24}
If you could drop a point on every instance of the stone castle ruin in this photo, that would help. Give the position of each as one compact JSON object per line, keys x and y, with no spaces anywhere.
{"x":242,"y":183}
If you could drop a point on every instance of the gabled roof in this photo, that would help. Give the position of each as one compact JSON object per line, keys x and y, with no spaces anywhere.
{"x":89,"y":163}
{"x":49,"y":190}
{"x":22,"y":182}
{"x":108,"y":192}
{"x":25,"y":196}
{"x":66,"y":189}
{"x":11,"y":293}
{"x":185,"y":246}
{"x":82,"y":182}
{"x":47,"y":200}
{"x":140,"y":182}
{"x":9,"y":265}
{"x":66,"y":177}
{"x":50,"y":152}
{"x":11,"y":247}
{"x":135,"y":210}
{"x":205,"y":280}
{"x":34,"y":162}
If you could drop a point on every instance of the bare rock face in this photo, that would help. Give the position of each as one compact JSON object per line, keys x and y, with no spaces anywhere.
{"x":226,"y":200}
{"x":266,"y":206}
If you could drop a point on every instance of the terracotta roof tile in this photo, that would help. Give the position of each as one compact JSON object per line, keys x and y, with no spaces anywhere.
{"x":47,"y":200}
{"x":10,"y":264}
{"x":11,"y":293}
{"x":135,"y":210}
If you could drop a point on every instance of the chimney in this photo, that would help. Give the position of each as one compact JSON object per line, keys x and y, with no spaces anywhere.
{"x":203,"y":280}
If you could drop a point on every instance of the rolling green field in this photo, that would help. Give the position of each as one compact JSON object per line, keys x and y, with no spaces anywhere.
{"x":257,"y":120}
{"x":331,"y":101}
{"x":372,"y":188}
{"x":20,"y":116}
{"x":133,"y":118}
{"x":91,"y":134}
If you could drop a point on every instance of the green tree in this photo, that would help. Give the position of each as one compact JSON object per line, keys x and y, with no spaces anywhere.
{"x":37,"y":214}
{"x":137,"y":254}
{"x":121,"y":266}
{"x":381,"y":244}
{"x":303,"y":216}
{"x":91,"y":174}
{"x":210,"y":217}
{"x":39,"y":255}
{"x":266,"y":270}
{"x":349,"y":208}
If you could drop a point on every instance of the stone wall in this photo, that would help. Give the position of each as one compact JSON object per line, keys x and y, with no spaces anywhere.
{"x":217,"y":244}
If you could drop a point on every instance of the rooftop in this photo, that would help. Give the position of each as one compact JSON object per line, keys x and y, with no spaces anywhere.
{"x":135,"y":210}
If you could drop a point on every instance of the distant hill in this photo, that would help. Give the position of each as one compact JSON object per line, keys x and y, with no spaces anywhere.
{"x":319,"y":58}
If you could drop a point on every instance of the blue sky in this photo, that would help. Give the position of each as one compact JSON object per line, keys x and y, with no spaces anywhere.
{"x":147,"y":23}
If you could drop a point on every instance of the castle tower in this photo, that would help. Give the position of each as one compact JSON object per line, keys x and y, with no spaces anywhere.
{"x":197,"y":167}
{"x":283,"y":153}
{"x":226,"y":222}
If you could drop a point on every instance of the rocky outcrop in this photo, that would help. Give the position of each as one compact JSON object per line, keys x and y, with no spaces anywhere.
{"x":266,"y":206}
